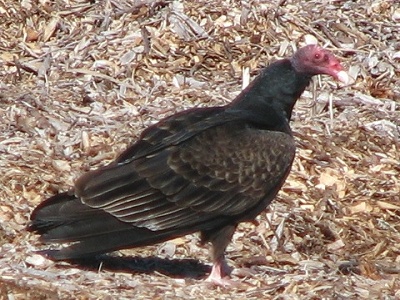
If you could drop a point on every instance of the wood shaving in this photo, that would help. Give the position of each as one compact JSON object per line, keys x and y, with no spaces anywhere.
{"x":81,"y":79}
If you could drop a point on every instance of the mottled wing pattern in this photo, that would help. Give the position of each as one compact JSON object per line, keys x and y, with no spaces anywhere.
{"x":222,"y":171}
{"x":241,"y":163}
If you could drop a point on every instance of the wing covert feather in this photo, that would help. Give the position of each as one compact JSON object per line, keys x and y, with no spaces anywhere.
{"x":242,"y":165}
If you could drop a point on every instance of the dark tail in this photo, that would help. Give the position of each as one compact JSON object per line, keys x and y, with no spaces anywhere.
{"x":63,"y":218}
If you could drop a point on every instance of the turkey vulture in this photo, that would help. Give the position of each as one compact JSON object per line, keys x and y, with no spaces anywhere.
{"x":201,"y":170}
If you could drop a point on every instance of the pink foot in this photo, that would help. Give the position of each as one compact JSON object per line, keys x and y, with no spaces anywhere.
{"x":220,"y":274}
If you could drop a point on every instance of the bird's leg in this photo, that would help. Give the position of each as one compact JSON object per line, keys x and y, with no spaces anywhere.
{"x":219,"y":240}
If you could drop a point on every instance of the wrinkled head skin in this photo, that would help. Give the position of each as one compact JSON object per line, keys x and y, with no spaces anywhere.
{"x":314,"y":60}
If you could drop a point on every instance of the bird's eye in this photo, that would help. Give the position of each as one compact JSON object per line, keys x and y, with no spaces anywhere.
{"x":320,"y":57}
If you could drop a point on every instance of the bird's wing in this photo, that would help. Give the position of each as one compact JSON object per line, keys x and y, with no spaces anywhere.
{"x":220,"y":172}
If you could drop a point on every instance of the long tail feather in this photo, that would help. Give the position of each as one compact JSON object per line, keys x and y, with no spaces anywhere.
{"x":63,"y":218}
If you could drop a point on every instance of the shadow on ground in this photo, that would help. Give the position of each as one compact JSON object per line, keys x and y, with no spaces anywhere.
{"x":176,"y":268}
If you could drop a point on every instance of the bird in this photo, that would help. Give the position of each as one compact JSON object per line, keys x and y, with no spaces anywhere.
{"x":200,"y":170}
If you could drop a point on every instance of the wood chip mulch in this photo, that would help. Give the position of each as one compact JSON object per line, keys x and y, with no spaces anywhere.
{"x":79,"y":81}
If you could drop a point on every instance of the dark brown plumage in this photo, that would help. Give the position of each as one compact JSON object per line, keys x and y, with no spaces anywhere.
{"x":204,"y":169}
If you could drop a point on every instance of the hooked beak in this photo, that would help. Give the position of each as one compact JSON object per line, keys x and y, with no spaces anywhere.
{"x":343,"y":77}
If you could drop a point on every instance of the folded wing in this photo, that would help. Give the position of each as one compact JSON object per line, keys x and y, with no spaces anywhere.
{"x":215,"y":175}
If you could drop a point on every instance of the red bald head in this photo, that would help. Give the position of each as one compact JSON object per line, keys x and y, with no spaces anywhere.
{"x":314,"y":60}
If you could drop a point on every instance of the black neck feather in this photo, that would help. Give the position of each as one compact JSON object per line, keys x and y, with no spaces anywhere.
{"x":270,"y":98}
